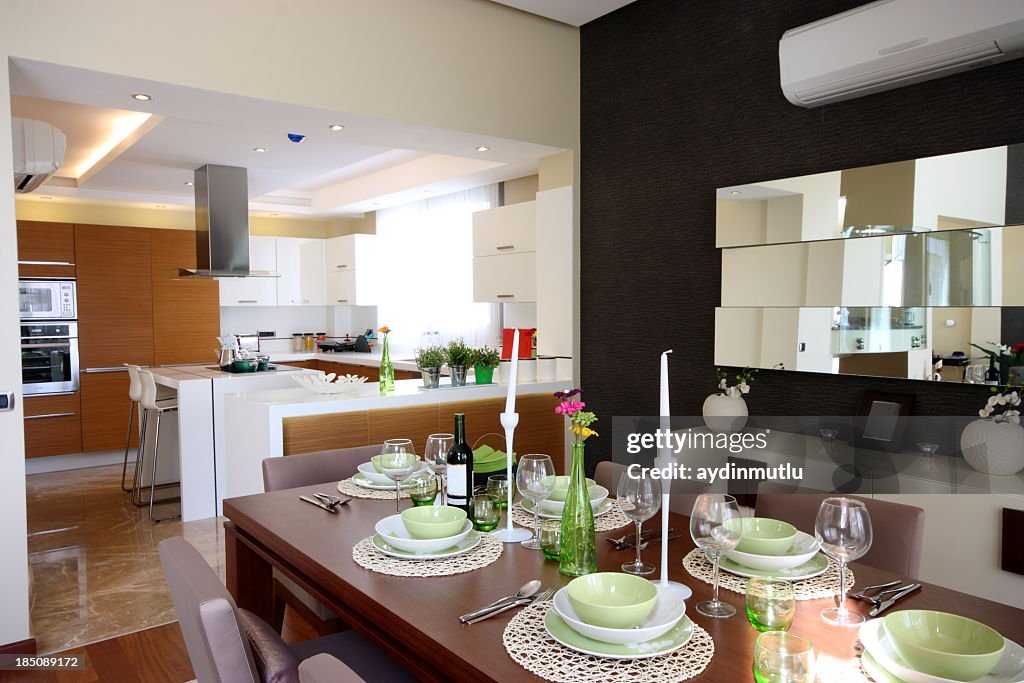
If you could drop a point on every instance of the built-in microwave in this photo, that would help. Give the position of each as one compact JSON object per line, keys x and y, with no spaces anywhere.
{"x":47,"y":299}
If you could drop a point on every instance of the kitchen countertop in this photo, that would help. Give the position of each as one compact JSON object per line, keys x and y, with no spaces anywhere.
{"x":371,"y":359}
{"x":173,"y":375}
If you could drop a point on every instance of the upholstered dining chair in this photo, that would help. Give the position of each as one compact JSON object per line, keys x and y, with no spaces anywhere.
{"x":231,"y":645}
{"x":684,"y":494}
{"x":306,"y":469}
{"x":897,"y":529}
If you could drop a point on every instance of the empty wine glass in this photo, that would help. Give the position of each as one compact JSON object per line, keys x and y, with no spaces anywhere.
{"x":843,"y":528}
{"x":535,"y":479}
{"x":639,"y":499}
{"x":436,"y":454}
{"x":715,"y":527}
{"x":397,"y":461}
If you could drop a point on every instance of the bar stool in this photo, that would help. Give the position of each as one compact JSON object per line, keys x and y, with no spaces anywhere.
{"x":151,"y":405}
{"x":134,"y":394}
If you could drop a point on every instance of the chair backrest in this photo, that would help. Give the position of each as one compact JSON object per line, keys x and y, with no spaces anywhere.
{"x":683,"y":494}
{"x":213,"y":634}
{"x":305,"y":469}
{"x":897,"y":529}
{"x":134,"y":382}
{"x":147,"y":398}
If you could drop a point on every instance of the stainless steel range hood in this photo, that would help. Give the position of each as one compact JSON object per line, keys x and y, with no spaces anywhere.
{"x":222,"y":223}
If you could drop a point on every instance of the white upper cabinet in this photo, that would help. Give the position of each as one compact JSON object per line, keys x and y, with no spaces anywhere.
{"x":349,"y":264}
{"x":300,"y":262}
{"x":505,"y":230}
{"x":504,"y":279}
{"x":253,"y":291}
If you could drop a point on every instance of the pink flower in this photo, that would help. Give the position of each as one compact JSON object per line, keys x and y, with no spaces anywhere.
{"x":569,"y":407}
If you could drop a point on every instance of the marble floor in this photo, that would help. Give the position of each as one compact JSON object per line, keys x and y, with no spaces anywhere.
{"x":94,"y":564}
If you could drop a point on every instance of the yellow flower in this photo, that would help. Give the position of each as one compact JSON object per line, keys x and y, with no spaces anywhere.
{"x":583,"y":432}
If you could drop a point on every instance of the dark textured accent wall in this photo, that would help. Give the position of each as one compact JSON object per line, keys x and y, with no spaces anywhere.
{"x":679,"y":98}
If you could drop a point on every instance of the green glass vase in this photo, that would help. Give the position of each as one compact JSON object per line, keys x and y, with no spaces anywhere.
{"x":387,"y":370}
{"x":577,"y":543}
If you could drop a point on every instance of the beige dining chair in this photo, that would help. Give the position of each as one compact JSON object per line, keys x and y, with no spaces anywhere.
{"x":231,"y":645}
{"x":683,"y":493}
{"x":897,"y":529}
{"x":307,"y":469}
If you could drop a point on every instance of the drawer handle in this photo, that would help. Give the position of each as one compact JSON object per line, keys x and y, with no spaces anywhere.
{"x":506,"y":247}
{"x":93,"y":371}
{"x":45,"y":263}
{"x":342,"y":301}
{"x":343,"y":265}
{"x":48,"y":415}
{"x":247,"y":301}
{"x":506,"y":296}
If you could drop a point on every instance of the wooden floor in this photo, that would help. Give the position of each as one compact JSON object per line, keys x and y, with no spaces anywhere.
{"x":156,"y":655}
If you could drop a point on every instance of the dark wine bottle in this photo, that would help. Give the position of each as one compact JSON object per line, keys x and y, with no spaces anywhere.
{"x":992,"y":376}
{"x":460,"y":467}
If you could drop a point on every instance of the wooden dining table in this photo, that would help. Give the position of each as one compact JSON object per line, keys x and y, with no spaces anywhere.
{"x":415,"y":619}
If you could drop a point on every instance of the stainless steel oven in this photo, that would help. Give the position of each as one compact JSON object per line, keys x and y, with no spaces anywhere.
{"x":49,"y":357}
{"x":47,"y":300}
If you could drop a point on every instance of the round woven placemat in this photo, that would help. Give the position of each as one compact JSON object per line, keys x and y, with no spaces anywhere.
{"x":823,"y":586}
{"x":368,"y":557}
{"x":528,"y":643}
{"x":350,"y":488}
{"x":613,"y":519}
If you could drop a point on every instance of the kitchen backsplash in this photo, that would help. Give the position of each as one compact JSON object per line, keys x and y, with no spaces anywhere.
{"x":285,"y":320}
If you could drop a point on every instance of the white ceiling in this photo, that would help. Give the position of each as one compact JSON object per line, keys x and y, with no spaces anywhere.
{"x":370,"y":164}
{"x":572,"y":12}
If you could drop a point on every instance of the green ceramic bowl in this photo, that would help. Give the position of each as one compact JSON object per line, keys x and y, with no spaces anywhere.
{"x":376,"y":462}
{"x":612,"y":600}
{"x":430,"y":522}
{"x":562,"y":487}
{"x":944,"y":645}
{"x":763,"y":536}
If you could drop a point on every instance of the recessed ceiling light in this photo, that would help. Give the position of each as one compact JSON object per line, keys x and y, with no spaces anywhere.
{"x":482,"y":148}
{"x":735,"y":193}
{"x":189,"y":183}
{"x":261,"y":150}
{"x":336,"y":127}
{"x":142,"y":97}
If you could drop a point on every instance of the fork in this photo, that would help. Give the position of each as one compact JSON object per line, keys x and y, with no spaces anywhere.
{"x":518,"y":603}
{"x":877,"y":599}
{"x":621,"y":540}
{"x":861,"y":594}
{"x":333,"y":501}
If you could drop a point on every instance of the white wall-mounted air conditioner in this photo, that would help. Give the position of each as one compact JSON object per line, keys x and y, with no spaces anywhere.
{"x":38,"y":152}
{"x":892,"y":43}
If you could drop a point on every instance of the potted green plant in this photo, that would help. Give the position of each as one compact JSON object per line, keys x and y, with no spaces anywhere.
{"x":429,"y":360}
{"x":458,"y":357}
{"x":485,"y":359}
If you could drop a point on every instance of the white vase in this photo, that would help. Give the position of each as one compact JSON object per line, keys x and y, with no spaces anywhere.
{"x":993,"y":447}
{"x":725,"y":414}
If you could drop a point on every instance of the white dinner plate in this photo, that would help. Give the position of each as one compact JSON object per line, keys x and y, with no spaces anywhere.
{"x":1010,"y":668}
{"x":464,"y":546}
{"x":801,"y":552}
{"x":369,"y":472}
{"x":598,"y":494}
{"x":564,"y":634}
{"x":667,"y":612}
{"x":817,"y":566}
{"x":392,"y":530}
{"x":360,"y":480}
{"x":527,"y":505}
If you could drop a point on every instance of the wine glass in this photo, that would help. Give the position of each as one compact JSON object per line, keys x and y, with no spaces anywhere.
{"x":843,"y":528}
{"x":715,"y":527}
{"x":639,"y":498}
{"x":397,"y":461}
{"x":436,"y":453}
{"x":535,"y":480}
{"x":781,"y":657}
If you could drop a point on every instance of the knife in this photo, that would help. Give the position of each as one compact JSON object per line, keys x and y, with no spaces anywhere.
{"x":320,"y":505}
{"x":878,"y":609}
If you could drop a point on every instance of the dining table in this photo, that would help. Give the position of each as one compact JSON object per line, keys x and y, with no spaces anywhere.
{"x":416,"y":619}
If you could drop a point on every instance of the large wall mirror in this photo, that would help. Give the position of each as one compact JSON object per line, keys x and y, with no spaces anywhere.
{"x":897,"y":270}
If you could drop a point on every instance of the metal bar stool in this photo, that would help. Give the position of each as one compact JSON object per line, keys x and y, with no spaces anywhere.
{"x":134,"y":394}
{"x":151,"y":405}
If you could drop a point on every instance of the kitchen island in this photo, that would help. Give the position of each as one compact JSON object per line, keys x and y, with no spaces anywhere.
{"x":195,"y":434}
{"x":269,"y":424}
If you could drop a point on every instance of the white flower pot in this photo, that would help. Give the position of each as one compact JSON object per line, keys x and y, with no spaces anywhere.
{"x":993,"y":447}
{"x":725,"y":414}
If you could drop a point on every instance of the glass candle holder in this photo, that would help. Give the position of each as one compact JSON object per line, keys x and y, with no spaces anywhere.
{"x":781,"y":657}
{"x":485,"y":512}
{"x":550,"y":532}
{"x":497,"y":486}
{"x":771,"y":604}
{"x":423,"y":490}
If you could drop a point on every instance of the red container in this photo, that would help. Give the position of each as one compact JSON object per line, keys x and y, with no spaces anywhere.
{"x":525,"y":342}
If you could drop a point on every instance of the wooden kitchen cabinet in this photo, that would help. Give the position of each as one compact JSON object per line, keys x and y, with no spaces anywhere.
{"x":186,"y":310}
{"x":253,"y":291}
{"x":105,"y":411}
{"x":53,"y":425}
{"x":46,"y":249}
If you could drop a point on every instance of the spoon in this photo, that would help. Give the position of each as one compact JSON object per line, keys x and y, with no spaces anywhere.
{"x":528,"y":589}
